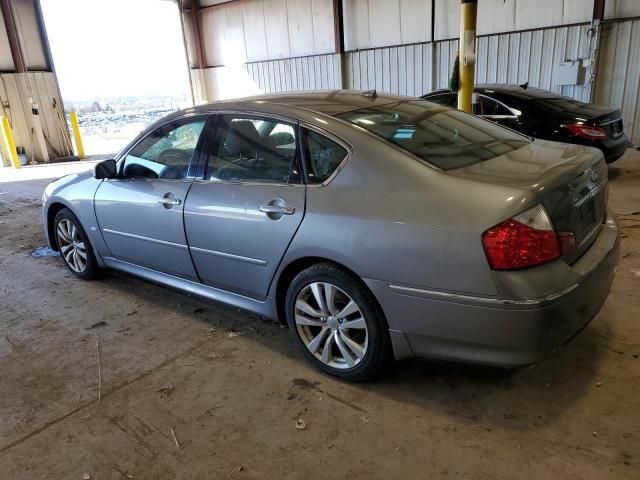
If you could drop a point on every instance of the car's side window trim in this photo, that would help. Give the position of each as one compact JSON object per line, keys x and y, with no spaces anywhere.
{"x":194,"y":159}
{"x":304,"y":150}
{"x":448,"y":96}
{"x":513,"y":116}
{"x":215,"y":124}
{"x":208,"y":136}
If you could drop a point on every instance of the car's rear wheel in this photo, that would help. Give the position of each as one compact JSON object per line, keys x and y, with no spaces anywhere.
{"x":75,"y":248}
{"x":337,"y":322}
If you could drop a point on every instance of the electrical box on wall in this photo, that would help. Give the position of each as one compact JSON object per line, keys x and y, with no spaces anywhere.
{"x":569,"y":73}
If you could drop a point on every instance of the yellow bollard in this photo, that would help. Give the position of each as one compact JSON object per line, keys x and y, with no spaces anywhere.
{"x":468,"y":16}
{"x":73,"y":116}
{"x":8,"y":143}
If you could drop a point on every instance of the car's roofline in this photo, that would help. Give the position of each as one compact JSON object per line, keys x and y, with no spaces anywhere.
{"x":322,"y":102}
{"x":504,"y":89}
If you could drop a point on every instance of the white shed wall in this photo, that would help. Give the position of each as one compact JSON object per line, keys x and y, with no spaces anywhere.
{"x":29,"y":34}
{"x":621,"y":9}
{"x":256,"y":30}
{"x":43,"y":89}
{"x":377,"y":23}
{"x":618,"y":82}
{"x":289,"y":46}
{"x":500,"y":16}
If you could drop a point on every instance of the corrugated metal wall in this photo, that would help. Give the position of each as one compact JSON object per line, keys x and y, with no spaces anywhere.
{"x":41,"y":86}
{"x":533,"y":57}
{"x":618,"y":81}
{"x":406,"y":70}
{"x":317,"y":72}
{"x":388,"y":48}
{"x":519,"y":57}
{"x":255,"y":30}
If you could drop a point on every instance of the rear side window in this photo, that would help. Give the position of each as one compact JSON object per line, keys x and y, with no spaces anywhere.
{"x":448,"y":99}
{"x":442,"y":136}
{"x":324,"y":156}
{"x":259,"y":150}
{"x":489,"y":107}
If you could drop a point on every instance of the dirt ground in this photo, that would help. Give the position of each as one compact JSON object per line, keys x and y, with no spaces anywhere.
{"x":231,"y":387}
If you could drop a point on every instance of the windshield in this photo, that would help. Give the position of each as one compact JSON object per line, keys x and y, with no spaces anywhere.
{"x":442,"y":136}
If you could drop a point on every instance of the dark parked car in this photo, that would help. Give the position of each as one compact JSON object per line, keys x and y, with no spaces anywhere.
{"x":546,"y":115}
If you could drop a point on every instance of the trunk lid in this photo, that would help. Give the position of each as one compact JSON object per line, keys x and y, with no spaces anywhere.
{"x":611,"y":121}
{"x":575,"y":111}
{"x":569,"y":180}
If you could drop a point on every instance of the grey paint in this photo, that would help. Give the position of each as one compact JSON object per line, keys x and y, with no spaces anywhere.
{"x":234,"y":245}
{"x":409,"y":230}
{"x":137,"y":229}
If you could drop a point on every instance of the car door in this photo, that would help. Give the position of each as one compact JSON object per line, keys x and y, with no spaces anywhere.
{"x":241,"y":216}
{"x":140,"y":213}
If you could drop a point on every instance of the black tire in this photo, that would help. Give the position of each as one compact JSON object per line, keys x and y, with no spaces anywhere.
{"x":378,"y":350}
{"x":92,"y":269}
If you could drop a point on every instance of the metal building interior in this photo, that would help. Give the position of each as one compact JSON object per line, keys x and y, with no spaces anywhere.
{"x":125,"y":378}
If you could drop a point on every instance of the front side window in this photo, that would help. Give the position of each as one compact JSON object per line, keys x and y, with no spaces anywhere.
{"x":324,"y":156}
{"x":256,"y":150}
{"x":442,"y":136}
{"x":166,"y":152}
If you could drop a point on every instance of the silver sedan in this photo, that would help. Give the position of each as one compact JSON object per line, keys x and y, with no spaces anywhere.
{"x":375,"y":226}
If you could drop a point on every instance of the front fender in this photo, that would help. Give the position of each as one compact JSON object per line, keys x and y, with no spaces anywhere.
{"x":75,"y":192}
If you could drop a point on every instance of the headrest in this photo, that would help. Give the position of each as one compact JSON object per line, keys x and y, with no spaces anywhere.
{"x":242,"y":138}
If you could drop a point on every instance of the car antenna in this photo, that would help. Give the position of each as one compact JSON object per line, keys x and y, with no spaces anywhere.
{"x":370,"y":93}
{"x":524,"y":85}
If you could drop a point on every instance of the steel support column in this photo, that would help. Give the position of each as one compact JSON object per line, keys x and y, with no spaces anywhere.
{"x":338,"y":35}
{"x":197,"y":65}
{"x":12,"y":34}
{"x":595,"y":39}
{"x":467,"y":49}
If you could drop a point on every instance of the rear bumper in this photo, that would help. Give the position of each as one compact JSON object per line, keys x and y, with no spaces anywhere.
{"x":493,"y":331}
{"x":613,"y":149}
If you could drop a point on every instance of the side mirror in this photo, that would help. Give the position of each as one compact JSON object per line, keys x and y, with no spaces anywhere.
{"x":106,"y":169}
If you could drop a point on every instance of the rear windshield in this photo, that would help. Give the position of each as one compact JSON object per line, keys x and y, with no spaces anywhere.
{"x":442,"y":136}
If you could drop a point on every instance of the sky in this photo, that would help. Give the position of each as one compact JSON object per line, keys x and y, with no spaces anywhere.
{"x":116,"y":48}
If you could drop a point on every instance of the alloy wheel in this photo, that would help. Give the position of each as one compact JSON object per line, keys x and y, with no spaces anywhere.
{"x":331,"y":325}
{"x":71,"y":245}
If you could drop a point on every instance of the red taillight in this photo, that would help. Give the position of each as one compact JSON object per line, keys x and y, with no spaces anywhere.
{"x":526,"y":240}
{"x":586,"y":131}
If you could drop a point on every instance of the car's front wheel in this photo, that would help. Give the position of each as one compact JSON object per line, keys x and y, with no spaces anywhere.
{"x":75,"y":248}
{"x":337,"y":322}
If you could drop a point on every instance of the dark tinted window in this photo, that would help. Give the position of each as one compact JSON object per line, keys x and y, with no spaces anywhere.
{"x":254,"y":150}
{"x":166,"y":152}
{"x":448,"y":99}
{"x":324,"y":156}
{"x":489,"y":106}
{"x":442,"y":136}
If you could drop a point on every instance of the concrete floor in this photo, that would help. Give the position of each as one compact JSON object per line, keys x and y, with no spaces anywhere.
{"x":173,"y":362}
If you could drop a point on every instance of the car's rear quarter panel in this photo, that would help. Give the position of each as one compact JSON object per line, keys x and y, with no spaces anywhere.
{"x":390,"y":217}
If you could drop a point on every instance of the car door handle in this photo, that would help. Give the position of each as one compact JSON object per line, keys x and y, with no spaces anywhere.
{"x":169,"y":201}
{"x":282,"y":209}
